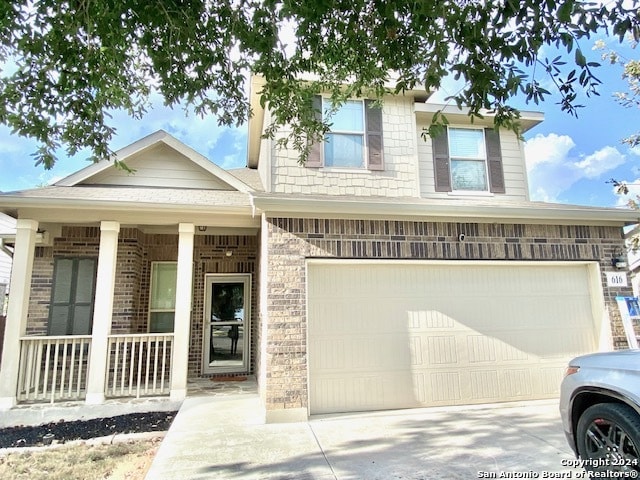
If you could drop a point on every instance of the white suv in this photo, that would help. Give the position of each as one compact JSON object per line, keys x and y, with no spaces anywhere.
{"x":600,"y":409}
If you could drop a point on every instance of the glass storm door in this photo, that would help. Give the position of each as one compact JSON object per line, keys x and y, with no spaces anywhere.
{"x":226,"y":329}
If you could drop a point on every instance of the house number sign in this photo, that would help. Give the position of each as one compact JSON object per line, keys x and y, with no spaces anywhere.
{"x":616,"y":279}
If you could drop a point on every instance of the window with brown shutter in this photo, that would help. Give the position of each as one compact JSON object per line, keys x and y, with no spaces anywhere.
{"x":373,"y":115}
{"x":494,"y":161}
{"x":314,"y":160}
{"x":355,"y":138}
{"x":440,"y":146}
{"x":468,"y":159}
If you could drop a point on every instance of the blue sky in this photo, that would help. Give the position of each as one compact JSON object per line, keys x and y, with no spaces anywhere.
{"x":569,"y":160}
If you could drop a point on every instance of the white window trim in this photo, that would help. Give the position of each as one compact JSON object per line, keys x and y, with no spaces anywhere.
{"x":471,"y":193}
{"x":486,"y":192}
{"x":157,"y":310}
{"x":365,"y":145}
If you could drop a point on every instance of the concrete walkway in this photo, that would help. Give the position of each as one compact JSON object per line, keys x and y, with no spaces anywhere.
{"x":224,"y":437}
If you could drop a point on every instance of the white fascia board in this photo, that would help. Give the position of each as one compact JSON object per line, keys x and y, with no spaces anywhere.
{"x":528,"y":119}
{"x":108,"y":205}
{"x":556,"y":214}
{"x":122,"y":154}
{"x":150,"y":141}
{"x":207,"y":164}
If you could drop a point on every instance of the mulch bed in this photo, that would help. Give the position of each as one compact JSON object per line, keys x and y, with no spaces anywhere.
{"x":24,"y":436}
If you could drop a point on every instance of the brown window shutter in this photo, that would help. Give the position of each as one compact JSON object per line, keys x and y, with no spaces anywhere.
{"x":494,"y":161}
{"x":373,"y":118}
{"x":314,"y":160}
{"x":440,"y":147}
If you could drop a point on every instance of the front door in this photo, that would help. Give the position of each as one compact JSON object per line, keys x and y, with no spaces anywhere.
{"x":226,"y":323}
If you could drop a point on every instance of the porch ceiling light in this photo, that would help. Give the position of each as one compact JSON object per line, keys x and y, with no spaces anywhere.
{"x":202,"y":228}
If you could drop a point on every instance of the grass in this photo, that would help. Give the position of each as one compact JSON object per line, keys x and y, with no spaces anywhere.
{"x":127,"y":460}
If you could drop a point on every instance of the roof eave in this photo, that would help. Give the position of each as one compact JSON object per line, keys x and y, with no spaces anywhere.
{"x":13,"y":203}
{"x":528,"y":119}
{"x":482,"y":213}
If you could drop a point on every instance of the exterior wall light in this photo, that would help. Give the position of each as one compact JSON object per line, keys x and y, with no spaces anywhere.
{"x":619,"y":261}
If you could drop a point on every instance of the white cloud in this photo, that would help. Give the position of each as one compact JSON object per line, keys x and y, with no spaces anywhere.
{"x":600,"y":162}
{"x":550,"y":149}
{"x":553,"y":169}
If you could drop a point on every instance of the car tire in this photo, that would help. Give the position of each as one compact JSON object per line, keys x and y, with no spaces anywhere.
{"x":608,"y":438}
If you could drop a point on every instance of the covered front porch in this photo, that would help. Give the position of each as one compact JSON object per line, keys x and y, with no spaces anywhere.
{"x":147,"y":314}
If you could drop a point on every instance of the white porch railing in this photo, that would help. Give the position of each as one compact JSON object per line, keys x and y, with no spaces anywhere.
{"x":139,"y":365}
{"x":53,"y":368}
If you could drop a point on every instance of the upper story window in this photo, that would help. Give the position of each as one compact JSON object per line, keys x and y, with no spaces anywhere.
{"x":468,"y":159}
{"x":344,"y":146}
{"x":355,"y":139}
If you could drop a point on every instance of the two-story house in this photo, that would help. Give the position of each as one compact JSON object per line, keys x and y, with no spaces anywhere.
{"x":389,"y":271}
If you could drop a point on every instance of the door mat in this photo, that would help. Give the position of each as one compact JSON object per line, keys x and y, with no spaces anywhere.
{"x":228,"y":379}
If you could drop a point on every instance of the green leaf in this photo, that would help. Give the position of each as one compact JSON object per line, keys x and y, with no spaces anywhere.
{"x":565,"y":10}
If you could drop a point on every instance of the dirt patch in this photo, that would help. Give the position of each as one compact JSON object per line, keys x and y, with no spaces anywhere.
{"x":124,"y":459}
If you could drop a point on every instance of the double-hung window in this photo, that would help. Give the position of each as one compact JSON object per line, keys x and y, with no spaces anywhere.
{"x":468,"y":159}
{"x":162,"y":299}
{"x":355,"y":136}
{"x":344,"y":145}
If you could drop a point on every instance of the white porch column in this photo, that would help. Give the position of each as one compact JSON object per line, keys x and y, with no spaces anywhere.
{"x":102,"y":311}
{"x":182,"y":323}
{"x":17,"y":310}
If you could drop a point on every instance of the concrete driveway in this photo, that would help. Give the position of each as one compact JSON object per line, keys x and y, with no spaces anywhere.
{"x":225,"y":438}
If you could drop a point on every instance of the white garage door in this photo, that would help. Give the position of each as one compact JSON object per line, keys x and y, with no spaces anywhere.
{"x":396,"y":335}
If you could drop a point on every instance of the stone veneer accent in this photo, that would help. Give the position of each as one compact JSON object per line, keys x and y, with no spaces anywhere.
{"x":136,"y":252}
{"x":292,"y":240}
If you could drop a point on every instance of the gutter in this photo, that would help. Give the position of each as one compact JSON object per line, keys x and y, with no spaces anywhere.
{"x":83,"y":204}
{"x":555,"y":213}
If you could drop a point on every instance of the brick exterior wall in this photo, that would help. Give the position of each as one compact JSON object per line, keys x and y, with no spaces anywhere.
{"x":136,"y":252}
{"x":292,"y":240}
{"x":210,"y":257}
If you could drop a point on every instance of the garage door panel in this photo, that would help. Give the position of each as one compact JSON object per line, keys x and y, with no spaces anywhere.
{"x":483,"y":386}
{"x":396,"y":336}
{"x":516,"y":383}
{"x":444,"y":388}
{"x":349,"y":392}
{"x":549,"y":380}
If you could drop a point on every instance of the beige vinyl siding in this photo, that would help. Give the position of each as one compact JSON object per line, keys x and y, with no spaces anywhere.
{"x":513,"y":164}
{"x":386,"y":335}
{"x":160,"y":166}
